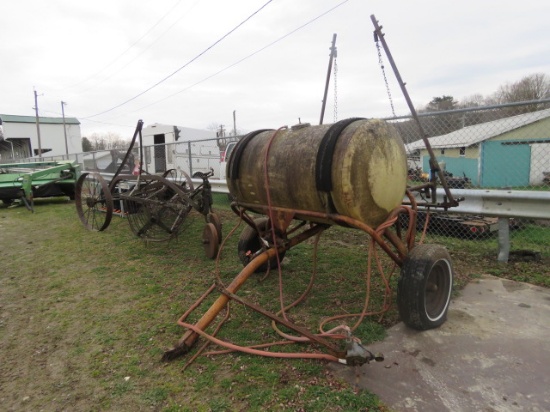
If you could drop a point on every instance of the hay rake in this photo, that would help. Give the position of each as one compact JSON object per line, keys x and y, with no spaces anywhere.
{"x":155,"y":206}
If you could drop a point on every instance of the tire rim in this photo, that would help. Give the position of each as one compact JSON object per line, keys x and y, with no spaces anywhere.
{"x":438,"y":290}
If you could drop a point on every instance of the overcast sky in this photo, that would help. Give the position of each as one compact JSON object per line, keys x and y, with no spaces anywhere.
{"x":193,"y":62}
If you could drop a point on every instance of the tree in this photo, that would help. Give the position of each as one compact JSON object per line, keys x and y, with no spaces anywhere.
{"x":86,"y":145}
{"x":533,"y":87}
{"x":441,"y":123}
{"x":107,"y":141}
{"x":214,"y":126}
{"x":442,"y":103}
{"x":530,"y":88}
{"x":475,"y":100}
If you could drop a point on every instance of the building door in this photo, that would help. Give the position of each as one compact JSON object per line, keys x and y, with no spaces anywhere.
{"x":505,"y":164}
{"x":160,"y":153}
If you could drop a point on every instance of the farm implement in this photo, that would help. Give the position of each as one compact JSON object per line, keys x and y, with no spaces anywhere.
{"x":26,"y":181}
{"x":154,"y":205}
{"x":302,"y":180}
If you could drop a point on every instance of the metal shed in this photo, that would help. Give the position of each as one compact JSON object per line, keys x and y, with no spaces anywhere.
{"x":21,"y":136}
{"x":509,"y":152}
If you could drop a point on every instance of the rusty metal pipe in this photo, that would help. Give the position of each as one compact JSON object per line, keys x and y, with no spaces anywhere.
{"x":434,"y":165}
{"x":302,"y":331}
{"x":341,"y":220}
{"x":189,"y":337}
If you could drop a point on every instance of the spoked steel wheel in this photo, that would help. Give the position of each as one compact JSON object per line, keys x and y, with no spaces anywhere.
{"x":94,"y":203}
{"x":425,"y":286}
{"x":156,"y":210}
{"x":179,"y":178}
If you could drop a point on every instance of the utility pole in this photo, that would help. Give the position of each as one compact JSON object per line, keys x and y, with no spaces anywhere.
{"x":234,"y":123}
{"x":37,"y":123}
{"x":64,"y":128}
{"x":332,"y":56}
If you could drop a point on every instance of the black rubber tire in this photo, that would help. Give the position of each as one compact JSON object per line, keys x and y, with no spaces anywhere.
{"x":249,"y":241}
{"x":425,"y":286}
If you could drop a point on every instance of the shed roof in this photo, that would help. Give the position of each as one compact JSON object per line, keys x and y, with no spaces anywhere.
{"x":10,"y":118}
{"x":470,"y":135}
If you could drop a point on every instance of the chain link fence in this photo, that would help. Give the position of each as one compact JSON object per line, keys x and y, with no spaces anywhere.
{"x":504,"y":147}
{"x":187,"y":156}
{"x":499,"y":147}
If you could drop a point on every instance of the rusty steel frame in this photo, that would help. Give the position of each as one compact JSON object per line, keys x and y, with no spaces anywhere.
{"x":280,"y":219}
{"x":381,"y":238}
{"x":431,"y":187}
{"x":190,"y":336}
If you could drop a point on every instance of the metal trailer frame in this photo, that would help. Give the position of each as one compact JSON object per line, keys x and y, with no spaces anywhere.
{"x":424,"y":288}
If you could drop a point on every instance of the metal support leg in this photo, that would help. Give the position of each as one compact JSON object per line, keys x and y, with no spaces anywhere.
{"x":503,"y":239}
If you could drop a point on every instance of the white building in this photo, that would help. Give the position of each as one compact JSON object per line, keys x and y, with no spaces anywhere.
{"x":21,"y":136}
{"x":176,"y":147}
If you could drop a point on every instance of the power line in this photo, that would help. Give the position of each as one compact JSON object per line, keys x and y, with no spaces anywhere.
{"x":90,"y":120}
{"x":185,"y":65}
{"x":146,"y":48}
{"x":127,"y":50}
{"x":246,"y":57}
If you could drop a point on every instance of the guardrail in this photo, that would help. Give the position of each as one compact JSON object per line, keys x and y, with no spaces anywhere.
{"x":503,"y":204}
{"x":495,"y":203}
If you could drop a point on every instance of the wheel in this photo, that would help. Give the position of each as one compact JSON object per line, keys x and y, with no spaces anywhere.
{"x":210,"y":240}
{"x":186,"y":183}
{"x":250,"y":242}
{"x":214,"y":218}
{"x":425,"y":286}
{"x":156,"y":210}
{"x":180,"y":178}
{"x":94,"y":203}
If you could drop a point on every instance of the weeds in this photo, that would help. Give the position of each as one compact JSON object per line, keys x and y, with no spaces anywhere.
{"x":102,"y":307}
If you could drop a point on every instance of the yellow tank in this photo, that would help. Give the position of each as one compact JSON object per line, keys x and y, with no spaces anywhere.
{"x":355,"y":167}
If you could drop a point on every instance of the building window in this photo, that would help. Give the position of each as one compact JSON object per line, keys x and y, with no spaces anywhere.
{"x":462,"y":151}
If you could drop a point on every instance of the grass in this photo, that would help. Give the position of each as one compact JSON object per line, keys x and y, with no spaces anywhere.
{"x":87,"y":315}
{"x":475,"y":257}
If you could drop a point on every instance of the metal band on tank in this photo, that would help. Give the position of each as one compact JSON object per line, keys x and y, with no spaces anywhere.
{"x":323,"y":165}
{"x":235,"y":159}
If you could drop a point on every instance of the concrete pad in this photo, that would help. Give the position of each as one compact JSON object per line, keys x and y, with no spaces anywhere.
{"x":492,"y":354}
